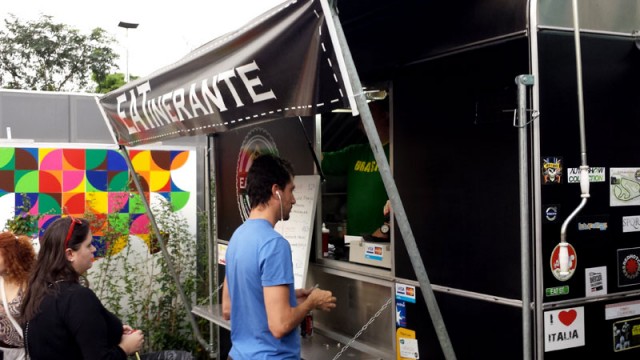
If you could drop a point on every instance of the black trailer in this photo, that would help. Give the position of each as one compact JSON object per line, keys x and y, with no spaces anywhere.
{"x":501,"y":111}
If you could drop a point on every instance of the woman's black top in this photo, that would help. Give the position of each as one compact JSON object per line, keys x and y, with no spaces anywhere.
{"x":73,"y":324}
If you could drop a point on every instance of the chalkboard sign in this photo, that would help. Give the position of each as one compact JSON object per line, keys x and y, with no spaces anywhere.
{"x":298,"y":229}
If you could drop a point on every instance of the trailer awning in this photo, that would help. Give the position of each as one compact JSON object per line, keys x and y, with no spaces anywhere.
{"x":282,"y":64}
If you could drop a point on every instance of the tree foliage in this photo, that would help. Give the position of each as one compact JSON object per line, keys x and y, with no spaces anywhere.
{"x":44,"y":55}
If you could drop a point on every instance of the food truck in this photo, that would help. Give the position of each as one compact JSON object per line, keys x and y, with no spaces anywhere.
{"x":513,"y":173}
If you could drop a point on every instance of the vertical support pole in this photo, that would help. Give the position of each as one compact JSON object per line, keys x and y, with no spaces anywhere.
{"x":340,"y":41}
{"x":212,"y":240}
{"x":163,"y":247}
{"x":525,"y":261}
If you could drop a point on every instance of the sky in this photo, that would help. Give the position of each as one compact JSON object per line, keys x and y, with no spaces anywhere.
{"x":167,"y":31}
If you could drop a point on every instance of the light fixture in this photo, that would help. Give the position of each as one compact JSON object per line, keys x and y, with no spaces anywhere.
{"x":127,"y":26}
{"x":369,"y":95}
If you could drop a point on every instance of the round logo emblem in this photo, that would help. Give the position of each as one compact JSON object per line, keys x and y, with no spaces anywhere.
{"x":551,"y":213}
{"x":555,"y":263}
{"x":257,"y":142}
{"x":631,"y":266}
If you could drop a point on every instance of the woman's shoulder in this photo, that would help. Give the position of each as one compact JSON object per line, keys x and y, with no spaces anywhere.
{"x":73,"y":290}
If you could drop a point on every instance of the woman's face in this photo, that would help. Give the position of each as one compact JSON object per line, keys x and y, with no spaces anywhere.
{"x":82,"y":259}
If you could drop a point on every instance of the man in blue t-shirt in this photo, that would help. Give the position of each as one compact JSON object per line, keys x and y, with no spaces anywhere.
{"x":258,"y":294}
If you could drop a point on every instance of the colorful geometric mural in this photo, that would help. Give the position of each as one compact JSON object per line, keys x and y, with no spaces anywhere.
{"x":77,"y":182}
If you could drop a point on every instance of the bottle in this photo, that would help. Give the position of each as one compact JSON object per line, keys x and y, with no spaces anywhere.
{"x":306,"y":327}
{"x":325,"y":241}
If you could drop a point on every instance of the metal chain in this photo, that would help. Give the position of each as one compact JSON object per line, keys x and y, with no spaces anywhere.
{"x":373,"y":318}
{"x":202,"y":302}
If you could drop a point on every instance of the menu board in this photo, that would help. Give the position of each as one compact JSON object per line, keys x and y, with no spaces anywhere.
{"x":299,"y":228}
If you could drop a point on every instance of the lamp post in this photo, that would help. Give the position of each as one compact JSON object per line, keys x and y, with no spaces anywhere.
{"x":127,"y":26}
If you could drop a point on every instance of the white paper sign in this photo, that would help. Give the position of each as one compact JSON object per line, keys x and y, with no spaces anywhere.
{"x":409,"y":348}
{"x":298,"y":229}
{"x":595,"y":281}
{"x":564,"y":328}
{"x":222,"y":254}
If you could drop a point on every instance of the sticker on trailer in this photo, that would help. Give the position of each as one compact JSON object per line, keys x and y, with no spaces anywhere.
{"x":628,"y":266}
{"x":621,"y":310}
{"x":373,"y":252}
{"x":555,"y":262}
{"x":406,"y":293}
{"x":551,"y":213}
{"x":401,"y":314}
{"x":624,"y":187}
{"x":552,"y":170}
{"x":406,"y":344}
{"x":596,"y":174}
{"x":630,"y":224}
{"x":626,"y":334}
{"x":563,"y":329}
{"x":595,"y":281}
{"x":557,"y":291}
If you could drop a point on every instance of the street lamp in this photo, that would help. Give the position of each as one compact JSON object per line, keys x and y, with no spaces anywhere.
{"x":127,"y":26}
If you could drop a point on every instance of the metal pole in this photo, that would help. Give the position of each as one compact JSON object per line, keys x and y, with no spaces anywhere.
{"x":584,"y":168}
{"x":394,"y":197}
{"x":163,"y":247}
{"x":126,"y":36}
{"x":212,"y":231}
{"x":525,"y":263}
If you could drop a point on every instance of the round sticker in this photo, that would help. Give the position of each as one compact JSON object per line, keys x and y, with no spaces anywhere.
{"x":555,"y":263}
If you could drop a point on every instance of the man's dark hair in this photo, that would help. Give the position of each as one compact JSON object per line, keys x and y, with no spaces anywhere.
{"x":266,"y":170}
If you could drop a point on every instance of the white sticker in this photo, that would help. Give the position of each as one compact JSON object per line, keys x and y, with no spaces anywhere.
{"x":630,"y":223}
{"x":595,"y":281}
{"x":623,"y":309}
{"x":596,"y":174}
{"x":406,"y":293}
{"x":409,"y":348}
{"x":563,"y":329}
{"x":624,"y":187}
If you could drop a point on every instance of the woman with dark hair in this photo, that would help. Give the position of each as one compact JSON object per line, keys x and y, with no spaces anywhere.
{"x":63,"y":319}
{"x":16,"y":260}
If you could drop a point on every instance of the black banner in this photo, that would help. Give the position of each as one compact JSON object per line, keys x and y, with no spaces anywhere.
{"x":282,"y":64}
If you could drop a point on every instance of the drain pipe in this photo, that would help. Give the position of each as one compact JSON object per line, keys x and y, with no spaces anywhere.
{"x":584,"y":168}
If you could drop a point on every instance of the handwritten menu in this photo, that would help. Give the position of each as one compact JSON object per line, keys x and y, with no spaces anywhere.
{"x":299,"y":228}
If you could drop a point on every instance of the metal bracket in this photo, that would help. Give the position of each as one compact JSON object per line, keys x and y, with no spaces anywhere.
{"x":535,"y":115}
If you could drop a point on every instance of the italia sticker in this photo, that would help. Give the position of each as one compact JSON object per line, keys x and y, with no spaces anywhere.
{"x":555,"y":262}
{"x":257,"y":142}
{"x":563,"y":329}
{"x":628,"y":267}
{"x":552,"y":170}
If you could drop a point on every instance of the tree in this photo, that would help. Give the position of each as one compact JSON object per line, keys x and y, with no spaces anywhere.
{"x":44,"y":55}
{"x":111,"y":82}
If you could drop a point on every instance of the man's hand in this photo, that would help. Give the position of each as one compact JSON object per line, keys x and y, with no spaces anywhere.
{"x":302,"y":294}
{"x":322,"y":299}
{"x":386,"y":210}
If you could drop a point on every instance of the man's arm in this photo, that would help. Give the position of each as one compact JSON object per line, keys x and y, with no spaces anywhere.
{"x":226,"y":301}
{"x":282,"y":318}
